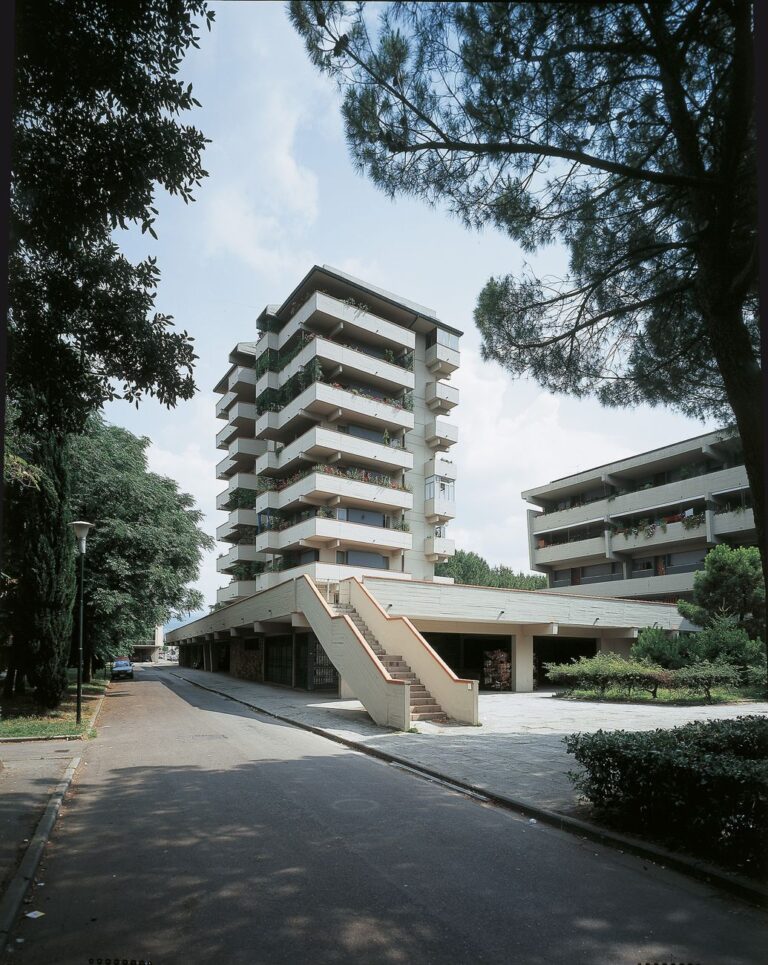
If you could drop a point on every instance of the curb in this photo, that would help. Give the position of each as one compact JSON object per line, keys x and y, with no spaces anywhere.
{"x":57,"y":737}
{"x":14,"y":893}
{"x":736,"y":884}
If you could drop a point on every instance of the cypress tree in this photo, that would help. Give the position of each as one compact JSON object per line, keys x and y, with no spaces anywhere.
{"x":44,"y":595}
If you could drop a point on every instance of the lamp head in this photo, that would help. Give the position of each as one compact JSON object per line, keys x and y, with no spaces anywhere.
{"x":81,"y":529}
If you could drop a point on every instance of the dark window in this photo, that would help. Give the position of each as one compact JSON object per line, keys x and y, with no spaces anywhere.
{"x":359,"y":558}
{"x":278,"y":665}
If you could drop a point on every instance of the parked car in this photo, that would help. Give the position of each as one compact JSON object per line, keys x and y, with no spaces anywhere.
{"x":122,"y":670}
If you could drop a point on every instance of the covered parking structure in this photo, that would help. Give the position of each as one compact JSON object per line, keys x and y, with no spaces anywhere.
{"x":498,"y":637}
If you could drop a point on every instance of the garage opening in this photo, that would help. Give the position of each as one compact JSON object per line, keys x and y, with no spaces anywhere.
{"x":558,"y":650}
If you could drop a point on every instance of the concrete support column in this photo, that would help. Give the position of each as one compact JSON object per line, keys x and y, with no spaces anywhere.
{"x":522,"y":663}
{"x":345,"y":691}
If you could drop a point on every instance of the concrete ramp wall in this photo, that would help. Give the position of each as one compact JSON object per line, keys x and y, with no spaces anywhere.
{"x":386,"y":700}
{"x":397,"y":635}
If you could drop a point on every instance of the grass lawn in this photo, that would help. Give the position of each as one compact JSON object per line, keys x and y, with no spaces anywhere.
{"x":682,"y":698}
{"x":20,"y":717}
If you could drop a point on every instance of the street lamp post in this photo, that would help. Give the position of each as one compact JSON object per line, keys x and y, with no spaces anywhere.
{"x":81,"y":534}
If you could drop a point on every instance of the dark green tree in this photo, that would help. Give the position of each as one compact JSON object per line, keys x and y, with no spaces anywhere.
{"x":43,"y":590}
{"x":626,"y":131}
{"x":472,"y":570}
{"x":146,"y":546}
{"x":730,"y":585}
{"x":95,"y":130}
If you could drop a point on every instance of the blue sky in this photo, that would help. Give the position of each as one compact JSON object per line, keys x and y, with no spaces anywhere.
{"x":283,"y":195}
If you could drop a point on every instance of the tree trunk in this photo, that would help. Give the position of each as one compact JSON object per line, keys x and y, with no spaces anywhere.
{"x":742,"y":378}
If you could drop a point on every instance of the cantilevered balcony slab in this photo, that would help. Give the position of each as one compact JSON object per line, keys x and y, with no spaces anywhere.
{"x":438,"y":465}
{"x":321,"y":401}
{"x":437,"y":548}
{"x":242,"y":382}
{"x":322,"y":489}
{"x":241,"y":553}
{"x":441,"y":360}
{"x":592,"y":549}
{"x":439,"y":510}
{"x":318,"y":445}
{"x":353,"y":364}
{"x":240,"y":480}
{"x":324,"y":314}
{"x":339,"y":534}
{"x":224,"y":404}
{"x":238,"y":518}
{"x":225,"y":436}
{"x":441,"y":397}
{"x":440,"y":434}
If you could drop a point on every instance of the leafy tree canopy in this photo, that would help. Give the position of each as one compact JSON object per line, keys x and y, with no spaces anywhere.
{"x":146,"y":546}
{"x":624,"y":130}
{"x":730,"y":585}
{"x":473,"y":570}
{"x":95,"y":129}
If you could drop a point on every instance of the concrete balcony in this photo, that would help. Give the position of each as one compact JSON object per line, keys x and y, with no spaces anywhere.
{"x":323,"y":314}
{"x":441,"y":360}
{"x":237,"y":590}
{"x":653,"y":537}
{"x":336,"y":533}
{"x":225,"y":436}
{"x":438,"y":465}
{"x":241,"y":553}
{"x":321,"y":401}
{"x":440,"y":434}
{"x":228,"y":532}
{"x":240,"y":480}
{"x":243,"y":415}
{"x":240,"y":457}
{"x":668,"y":496}
{"x":348,"y":362}
{"x":437,"y":548}
{"x":673,"y":585}
{"x":242,"y":382}
{"x":583,"y":549}
{"x":441,"y":397}
{"x":740,"y":525}
{"x":224,"y":404}
{"x":439,"y":510}
{"x":319,"y":445}
{"x":323,"y":489}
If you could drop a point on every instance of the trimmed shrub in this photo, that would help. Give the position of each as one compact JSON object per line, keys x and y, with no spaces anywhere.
{"x":606,"y":670}
{"x":702,"y":787}
{"x":701,"y":677}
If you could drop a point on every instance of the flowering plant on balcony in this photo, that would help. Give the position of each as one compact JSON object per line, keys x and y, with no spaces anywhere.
{"x":692,"y":522}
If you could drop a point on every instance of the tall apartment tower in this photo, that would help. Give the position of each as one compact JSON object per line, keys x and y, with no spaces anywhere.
{"x":337,"y":440}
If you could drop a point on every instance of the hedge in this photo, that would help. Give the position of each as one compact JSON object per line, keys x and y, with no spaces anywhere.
{"x":608,"y":670}
{"x":702,"y":787}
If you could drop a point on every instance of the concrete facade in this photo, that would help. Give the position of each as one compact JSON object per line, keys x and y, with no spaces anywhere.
{"x":336,"y":439}
{"x":640,"y":527}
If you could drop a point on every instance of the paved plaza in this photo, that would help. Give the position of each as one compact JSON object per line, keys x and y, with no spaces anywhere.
{"x":517,"y":752}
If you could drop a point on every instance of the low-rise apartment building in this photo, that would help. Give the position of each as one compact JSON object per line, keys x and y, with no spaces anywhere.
{"x":640,"y":527}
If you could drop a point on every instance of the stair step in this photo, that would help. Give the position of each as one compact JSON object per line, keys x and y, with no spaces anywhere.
{"x":437,"y":715}
{"x":424,"y":702}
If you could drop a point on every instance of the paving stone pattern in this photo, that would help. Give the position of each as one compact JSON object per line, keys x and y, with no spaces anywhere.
{"x":517,"y":751}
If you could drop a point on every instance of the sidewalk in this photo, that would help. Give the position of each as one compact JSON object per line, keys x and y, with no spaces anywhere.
{"x":517,"y":753}
{"x":29,"y":772}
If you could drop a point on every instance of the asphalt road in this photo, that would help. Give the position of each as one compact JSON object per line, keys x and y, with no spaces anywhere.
{"x":201,"y":832}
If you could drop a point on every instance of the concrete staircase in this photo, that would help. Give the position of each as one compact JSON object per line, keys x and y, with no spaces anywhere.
{"x":423,"y":704}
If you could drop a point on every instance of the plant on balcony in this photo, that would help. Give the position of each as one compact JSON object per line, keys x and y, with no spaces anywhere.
{"x":402,"y":525}
{"x":324,"y":513}
{"x":649,"y":530}
{"x":694,"y":521}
